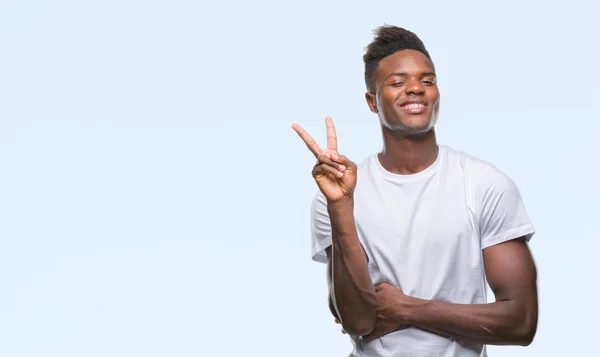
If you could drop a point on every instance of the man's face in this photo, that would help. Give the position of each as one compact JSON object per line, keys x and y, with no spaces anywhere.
{"x":406,"y":97}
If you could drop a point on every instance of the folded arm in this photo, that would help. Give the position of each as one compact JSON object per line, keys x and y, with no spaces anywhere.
{"x":510,"y":320}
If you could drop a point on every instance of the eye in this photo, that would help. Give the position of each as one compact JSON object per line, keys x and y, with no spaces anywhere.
{"x":428,"y":82}
{"x":397,"y":84}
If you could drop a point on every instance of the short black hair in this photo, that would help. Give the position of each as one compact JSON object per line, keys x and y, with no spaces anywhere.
{"x":389,"y":40}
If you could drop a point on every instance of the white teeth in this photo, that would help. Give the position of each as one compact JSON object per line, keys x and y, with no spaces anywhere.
{"x":414,"y":106}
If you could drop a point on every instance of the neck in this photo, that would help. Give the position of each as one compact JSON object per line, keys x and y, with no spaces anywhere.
{"x":407,"y":154}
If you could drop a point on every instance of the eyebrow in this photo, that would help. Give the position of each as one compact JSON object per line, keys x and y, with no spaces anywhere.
{"x":424,"y":74}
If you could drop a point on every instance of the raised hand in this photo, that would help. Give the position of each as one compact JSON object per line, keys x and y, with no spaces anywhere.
{"x":335,"y":174}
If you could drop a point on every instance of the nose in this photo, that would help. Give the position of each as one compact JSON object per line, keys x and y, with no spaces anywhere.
{"x":414,"y":86}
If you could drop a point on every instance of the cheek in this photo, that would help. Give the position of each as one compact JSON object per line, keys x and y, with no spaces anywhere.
{"x":434,"y":96}
{"x":389,"y":98}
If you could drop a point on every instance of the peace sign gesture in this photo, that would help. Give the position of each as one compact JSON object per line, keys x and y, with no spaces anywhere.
{"x":335,"y":174}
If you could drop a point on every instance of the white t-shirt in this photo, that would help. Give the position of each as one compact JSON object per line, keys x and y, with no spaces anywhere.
{"x":424,"y":233}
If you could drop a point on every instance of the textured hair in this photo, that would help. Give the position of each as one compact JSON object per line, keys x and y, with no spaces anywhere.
{"x":389,"y":40}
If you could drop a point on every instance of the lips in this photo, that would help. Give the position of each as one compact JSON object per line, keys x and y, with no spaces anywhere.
{"x":414,"y":106}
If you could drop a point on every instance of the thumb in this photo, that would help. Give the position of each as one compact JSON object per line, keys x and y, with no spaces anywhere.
{"x":341,"y":159}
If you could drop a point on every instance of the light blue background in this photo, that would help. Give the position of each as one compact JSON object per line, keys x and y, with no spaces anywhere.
{"x":154,"y":200}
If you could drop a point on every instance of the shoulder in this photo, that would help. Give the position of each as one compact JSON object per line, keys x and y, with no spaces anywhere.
{"x":470,"y":163}
{"x":478,"y":170}
{"x":482,"y":176}
{"x":366,"y":169}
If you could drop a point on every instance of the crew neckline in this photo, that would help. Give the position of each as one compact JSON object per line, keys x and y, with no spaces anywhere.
{"x":402,"y":177}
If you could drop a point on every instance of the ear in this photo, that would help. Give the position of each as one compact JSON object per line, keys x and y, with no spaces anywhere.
{"x":371,"y":101}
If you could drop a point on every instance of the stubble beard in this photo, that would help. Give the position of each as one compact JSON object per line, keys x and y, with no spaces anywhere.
{"x":401,"y":128}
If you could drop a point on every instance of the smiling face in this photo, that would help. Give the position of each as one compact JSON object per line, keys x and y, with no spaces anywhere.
{"x":404,"y":93}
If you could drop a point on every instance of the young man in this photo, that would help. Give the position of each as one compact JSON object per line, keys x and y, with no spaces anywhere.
{"x":413,"y":233}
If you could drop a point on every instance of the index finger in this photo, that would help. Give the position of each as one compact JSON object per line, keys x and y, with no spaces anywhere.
{"x":308,"y":140}
{"x":331,"y":135}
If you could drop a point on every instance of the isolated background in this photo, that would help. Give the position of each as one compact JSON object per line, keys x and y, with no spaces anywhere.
{"x":154,"y":200}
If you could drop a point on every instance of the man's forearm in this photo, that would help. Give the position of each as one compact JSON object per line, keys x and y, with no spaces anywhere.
{"x":498,"y":323}
{"x":351,"y":288}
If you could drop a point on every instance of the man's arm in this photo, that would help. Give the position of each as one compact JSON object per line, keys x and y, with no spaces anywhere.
{"x":350,"y":285}
{"x":352,"y":298}
{"x":511,"y":320}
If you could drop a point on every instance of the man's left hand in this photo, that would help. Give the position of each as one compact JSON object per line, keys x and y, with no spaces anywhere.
{"x":391,"y":305}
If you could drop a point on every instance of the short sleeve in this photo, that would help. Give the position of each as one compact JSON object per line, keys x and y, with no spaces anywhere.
{"x":320,"y":227}
{"x":501,"y":212}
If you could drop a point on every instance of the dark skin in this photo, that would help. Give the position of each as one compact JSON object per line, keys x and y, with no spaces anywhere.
{"x":404,"y":95}
{"x":511,"y":320}
{"x":400,"y":78}
{"x":352,"y":292}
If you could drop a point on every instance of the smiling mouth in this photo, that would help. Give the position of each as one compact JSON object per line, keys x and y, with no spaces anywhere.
{"x":412,"y":106}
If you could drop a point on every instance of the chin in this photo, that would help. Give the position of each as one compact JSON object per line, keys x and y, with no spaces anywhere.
{"x":414,"y":127}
